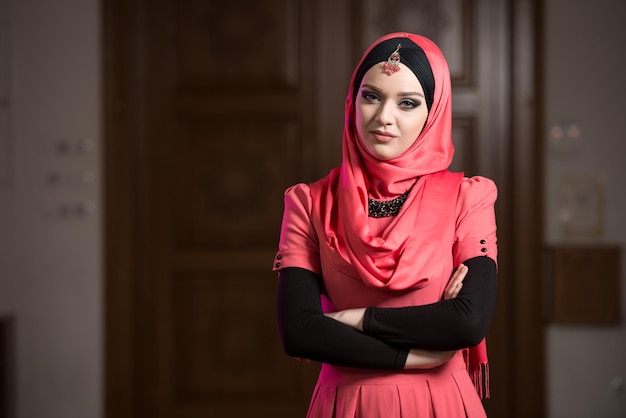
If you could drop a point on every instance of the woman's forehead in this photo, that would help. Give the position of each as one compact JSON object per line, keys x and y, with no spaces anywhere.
{"x":404,"y":80}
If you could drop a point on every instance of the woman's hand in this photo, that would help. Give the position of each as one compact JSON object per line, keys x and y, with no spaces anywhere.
{"x":455,"y":283}
{"x":427,"y":359}
{"x":354,"y":317}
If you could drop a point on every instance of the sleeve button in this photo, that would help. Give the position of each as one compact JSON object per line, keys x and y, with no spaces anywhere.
{"x":278,"y":257}
{"x":277,"y":265}
{"x":484,"y":250}
{"x":482,"y":241}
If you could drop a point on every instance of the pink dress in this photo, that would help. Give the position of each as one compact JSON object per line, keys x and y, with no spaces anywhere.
{"x":445,"y":391}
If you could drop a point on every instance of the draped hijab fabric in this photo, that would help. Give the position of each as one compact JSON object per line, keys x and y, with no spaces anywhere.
{"x":343,"y":206}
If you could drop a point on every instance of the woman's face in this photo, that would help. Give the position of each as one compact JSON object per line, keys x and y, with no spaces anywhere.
{"x":391,"y":111}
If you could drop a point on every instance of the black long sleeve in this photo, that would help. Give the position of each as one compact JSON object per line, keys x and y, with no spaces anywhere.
{"x":306,"y":333}
{"x":445,"y":325}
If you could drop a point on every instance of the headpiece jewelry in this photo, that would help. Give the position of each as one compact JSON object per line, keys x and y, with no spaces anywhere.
{"x":393,"y":62}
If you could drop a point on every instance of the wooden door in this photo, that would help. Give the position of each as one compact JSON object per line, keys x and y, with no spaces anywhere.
{"x":211,"y":110}
{"x":211,"y":117}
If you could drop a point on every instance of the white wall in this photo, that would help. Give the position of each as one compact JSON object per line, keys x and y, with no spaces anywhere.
{"x":50,"y":238}
{"x":585,"y":81}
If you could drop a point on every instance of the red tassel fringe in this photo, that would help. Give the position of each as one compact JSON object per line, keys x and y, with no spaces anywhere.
{"x":479,"y":373}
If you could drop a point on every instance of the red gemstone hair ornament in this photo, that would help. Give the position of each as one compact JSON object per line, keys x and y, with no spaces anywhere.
{"x":393,"y":62}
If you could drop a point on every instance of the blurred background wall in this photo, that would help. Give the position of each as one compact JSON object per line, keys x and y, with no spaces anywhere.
{"x":50,"y":238}
{"x":50,"y":204}
{"x":585,"y":197}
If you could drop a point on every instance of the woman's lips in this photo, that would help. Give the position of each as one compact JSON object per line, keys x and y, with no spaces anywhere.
{"x":381,"y":136}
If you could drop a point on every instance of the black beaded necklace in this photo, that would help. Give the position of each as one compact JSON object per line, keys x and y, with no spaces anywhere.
{"x":386,"y":208}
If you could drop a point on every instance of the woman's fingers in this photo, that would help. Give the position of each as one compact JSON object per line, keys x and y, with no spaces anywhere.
{"x":456,"y":282}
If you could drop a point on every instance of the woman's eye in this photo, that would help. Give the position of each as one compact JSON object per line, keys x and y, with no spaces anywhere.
{"x":409,"y":104}
{"x":369,"y":96}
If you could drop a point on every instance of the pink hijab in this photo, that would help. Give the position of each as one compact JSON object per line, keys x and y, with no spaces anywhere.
{"x":343,"y":207}
{"x":387,"y":261}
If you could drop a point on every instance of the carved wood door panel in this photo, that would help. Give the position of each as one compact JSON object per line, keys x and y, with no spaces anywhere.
{"x":212,"y":109}
{"x":211,"y":115}
{"x":231,"y":114}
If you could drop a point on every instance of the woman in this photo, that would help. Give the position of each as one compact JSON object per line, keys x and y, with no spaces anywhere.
{"x":387,"y":266}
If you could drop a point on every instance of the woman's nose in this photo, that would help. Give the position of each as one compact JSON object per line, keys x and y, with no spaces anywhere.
{"x":385,"y":115}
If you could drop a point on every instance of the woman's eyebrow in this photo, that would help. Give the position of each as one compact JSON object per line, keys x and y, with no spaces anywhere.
{"x":410,"y":93}
{"x":369,"y":86}
{"x":402,"y":93}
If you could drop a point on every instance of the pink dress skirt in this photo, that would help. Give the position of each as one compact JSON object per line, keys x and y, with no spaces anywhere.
{"x":445,"y":391}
